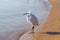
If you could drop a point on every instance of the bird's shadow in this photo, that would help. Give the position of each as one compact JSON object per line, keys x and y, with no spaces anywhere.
{"x":49,"y":33}
{"x":52,"y":33}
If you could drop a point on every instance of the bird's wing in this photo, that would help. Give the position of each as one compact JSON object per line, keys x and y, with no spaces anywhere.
{"x":33,"y":20}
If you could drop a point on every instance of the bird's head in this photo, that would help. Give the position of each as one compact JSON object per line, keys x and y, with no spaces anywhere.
{"x":27,"y":12}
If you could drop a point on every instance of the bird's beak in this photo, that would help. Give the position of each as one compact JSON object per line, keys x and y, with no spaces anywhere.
{"x":25,"y":13}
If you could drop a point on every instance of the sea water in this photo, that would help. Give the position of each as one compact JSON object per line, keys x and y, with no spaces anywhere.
{"x":11,"y":19}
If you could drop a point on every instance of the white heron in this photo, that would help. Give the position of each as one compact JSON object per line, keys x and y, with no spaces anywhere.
{"x":32,"y":19}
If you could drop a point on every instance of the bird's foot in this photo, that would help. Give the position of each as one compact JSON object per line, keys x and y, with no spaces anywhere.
{"x":31,"y":32}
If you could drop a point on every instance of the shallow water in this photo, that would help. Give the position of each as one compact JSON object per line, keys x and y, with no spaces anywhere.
{"x":11,"y":10}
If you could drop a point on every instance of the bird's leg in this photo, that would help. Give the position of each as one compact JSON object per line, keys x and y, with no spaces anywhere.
{"x":33,"y":29}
